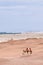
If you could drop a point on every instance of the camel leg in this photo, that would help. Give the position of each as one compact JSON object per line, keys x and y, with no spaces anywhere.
{"x":30,"y":52}
{"x":27,"y":52}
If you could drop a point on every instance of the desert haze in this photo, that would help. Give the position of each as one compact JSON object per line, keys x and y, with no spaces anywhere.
{"x":11,"y":51}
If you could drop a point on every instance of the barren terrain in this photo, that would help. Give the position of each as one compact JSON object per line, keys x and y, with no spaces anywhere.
{"x":11,"y":52}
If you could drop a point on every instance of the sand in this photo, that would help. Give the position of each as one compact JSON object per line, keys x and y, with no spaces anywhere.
{"x":11,"y":52}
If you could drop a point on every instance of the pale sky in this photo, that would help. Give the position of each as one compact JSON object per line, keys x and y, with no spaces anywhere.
{"x":21,"y":15}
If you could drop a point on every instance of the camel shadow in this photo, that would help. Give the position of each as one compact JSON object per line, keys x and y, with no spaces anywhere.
{"x":25,"y":56}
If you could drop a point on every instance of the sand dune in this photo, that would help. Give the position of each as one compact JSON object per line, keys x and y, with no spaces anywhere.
{"x":11,"y":52}
{"x":6,"y":37}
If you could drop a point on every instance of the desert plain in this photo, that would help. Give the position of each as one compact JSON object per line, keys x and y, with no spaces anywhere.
{"x":11,"y":52}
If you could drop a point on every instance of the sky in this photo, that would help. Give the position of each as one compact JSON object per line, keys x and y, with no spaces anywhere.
{"x":21,"y":15}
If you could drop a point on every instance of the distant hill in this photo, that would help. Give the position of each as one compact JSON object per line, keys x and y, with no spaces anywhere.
{"x":8,"y":33}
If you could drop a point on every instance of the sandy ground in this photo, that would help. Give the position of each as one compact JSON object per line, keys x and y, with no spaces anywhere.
{"x":11,"y":52}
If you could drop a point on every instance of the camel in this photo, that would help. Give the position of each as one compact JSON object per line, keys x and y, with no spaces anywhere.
{"x":27,"y":50}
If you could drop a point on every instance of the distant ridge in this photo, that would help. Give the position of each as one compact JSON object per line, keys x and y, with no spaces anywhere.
{"x":8,"y":33}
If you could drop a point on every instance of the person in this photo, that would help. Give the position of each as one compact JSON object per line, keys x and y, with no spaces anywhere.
{"x":30,"y":50}
{"x":27,"y":50}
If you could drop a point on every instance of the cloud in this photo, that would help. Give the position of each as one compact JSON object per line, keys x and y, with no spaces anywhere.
{"x":21,"y":0}
{"x":13,"y":7}
{"x":11,"y":10}
{"x":21,"y":9}
{"x":20,"y":3}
